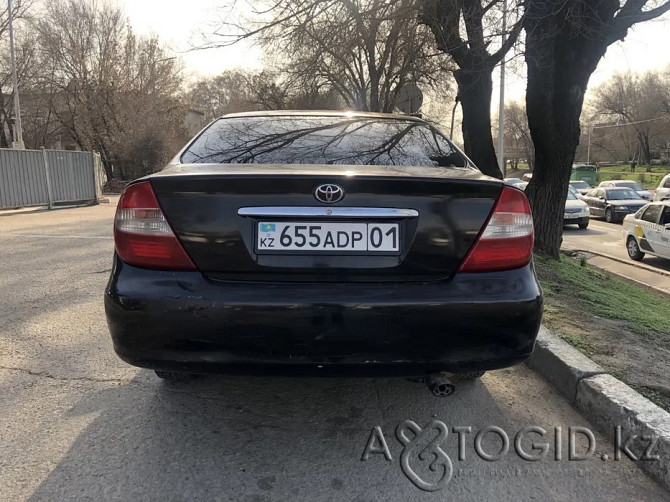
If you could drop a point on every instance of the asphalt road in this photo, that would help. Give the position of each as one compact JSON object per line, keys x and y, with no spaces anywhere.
{"x":76,"y":423}
{"x":606,"y":238}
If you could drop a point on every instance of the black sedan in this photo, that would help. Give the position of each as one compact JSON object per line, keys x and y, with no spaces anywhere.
{"x":613,"y":204}
{"x":322,"y":243}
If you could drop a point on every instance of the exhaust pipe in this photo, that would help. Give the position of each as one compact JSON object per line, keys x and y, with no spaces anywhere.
{"x":440,"y":385}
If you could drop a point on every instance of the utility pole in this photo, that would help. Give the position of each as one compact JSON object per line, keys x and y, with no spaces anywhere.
{"x":501,"y":105}
{"x":453,"y":116}
{"x":17,"y":144}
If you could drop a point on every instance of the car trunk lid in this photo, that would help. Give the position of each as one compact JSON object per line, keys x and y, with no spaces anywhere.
{"x":214,"y":211}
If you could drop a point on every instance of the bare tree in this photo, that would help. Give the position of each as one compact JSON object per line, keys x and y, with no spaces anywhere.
{"x":220,"y":94}
{"x":25,"y":59}
{"x":517,"y":135}
{"x":466,"y":30}
{"x":638,"y":101}
{"x":363,"y":50}
{"x":113,"y":92}
{"x":237,"y":91}
{"x":565,"y":40}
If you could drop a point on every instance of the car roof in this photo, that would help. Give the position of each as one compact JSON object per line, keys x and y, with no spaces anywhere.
{"x":665,"y":203}
{"x":617,"y":188}
{"x":323,"y":113}
{"x":621,"y":181}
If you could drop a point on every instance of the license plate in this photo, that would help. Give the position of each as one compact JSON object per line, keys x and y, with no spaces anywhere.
{"x":569,"y":216}
{"x":325,"y":237}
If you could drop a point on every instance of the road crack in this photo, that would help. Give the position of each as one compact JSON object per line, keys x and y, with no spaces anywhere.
{"x":44,"y":374}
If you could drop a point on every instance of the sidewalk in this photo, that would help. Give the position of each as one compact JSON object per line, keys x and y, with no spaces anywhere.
{"x":650,"y":277}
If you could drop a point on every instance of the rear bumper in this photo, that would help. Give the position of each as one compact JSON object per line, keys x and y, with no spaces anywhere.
{"x":576,"y":221}
{"x":184,"y":321}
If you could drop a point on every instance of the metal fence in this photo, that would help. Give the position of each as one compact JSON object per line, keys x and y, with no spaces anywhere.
{"x":48,"y":177}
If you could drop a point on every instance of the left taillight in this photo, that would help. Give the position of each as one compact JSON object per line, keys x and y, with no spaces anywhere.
{"x":142,"y":235}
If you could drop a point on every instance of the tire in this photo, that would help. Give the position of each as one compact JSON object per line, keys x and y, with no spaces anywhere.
{"x":609,"y":215}
{"x":583,"y":226}
{"x":633,"y":249}
{"x":174,"y":376}
{"x":469,"y":375}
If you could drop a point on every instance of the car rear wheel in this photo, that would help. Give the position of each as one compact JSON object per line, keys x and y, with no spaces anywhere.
{"x":174,"y":376}
{"x":634,"y":250}
{"x":609,"y":215}
{"x":583,"y":226}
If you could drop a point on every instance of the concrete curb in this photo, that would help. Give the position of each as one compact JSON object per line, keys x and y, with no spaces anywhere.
{"x":605,"y":401}
{"x":561,"y":364}
{"x":632,"y":263}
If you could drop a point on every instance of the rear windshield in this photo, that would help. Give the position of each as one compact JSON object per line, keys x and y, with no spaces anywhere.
{"x":630,"y":184}
{"x":322,"y":140}
{"x":625,"y":194}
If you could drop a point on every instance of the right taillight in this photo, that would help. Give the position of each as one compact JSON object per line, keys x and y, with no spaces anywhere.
{"x":142,"y":235}
{"x":507,"y":240}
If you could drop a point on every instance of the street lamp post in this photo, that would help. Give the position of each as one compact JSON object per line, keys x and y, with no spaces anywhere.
{"x":18,"y":131}
{"x":501,"y":105}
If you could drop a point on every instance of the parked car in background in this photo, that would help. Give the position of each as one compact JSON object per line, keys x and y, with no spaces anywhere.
{"x":633,"y":185}
{"x":648,"y":231}
{"x":582,"y":186}
{"x":576,"y":212}
{"x":527,"y":177}
{"x":574,"y":192}
{"x":323,"y":243}
{"x":613,"y":203}
{"x":663,"y":190}
{"x":512,"y":181}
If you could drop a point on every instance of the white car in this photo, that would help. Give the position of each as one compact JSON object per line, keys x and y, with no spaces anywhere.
{"x":633,"y":185}
{"x":575,"y":192}
{"x":581,"y":186}
{"x":663,"y":190}
{"x":512,"y":181}
{"x":576,"y":212}
{"x":648,"y":231}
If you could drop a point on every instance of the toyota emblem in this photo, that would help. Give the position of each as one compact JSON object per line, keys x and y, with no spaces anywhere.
{"x":330,"y":194}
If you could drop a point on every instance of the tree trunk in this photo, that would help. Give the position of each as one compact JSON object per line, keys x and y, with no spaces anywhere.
{"x":560,"y":62}
{"x":474,"y":92}
{"x":3,"y":118}
{"x":3,"y":136}
{"x":564,"y":43}
{"x":645,"y":151}
{"x":554,"y":99}
{"x":106,"y":163}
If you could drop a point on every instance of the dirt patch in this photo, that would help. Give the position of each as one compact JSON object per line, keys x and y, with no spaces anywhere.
{"x":621,"y":326}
